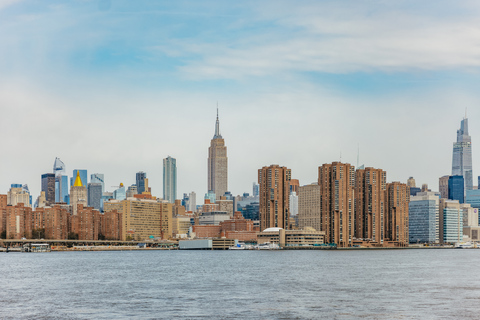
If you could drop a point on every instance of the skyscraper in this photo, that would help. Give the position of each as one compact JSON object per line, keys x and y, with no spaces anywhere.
{"x":98,"y":178}
{"x":170,"y":179}
{"x":140,"y":177}
{"x":396,"y":219}
{"x":274,"y":184}
{"x":95,"y":195}
{"x":337,"y":183}
{"x":61,"y":181}
{"x":217,"y":164}
{"x":192,"y":203}
{"x":462,"y":155}
{"x":370,"y":188}
{"x":48,"y":185}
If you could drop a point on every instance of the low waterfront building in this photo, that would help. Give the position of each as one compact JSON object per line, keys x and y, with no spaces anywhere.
{"x":293,"y":238}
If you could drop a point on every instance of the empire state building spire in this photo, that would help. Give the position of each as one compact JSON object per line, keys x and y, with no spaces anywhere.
{"x":217,"y":129}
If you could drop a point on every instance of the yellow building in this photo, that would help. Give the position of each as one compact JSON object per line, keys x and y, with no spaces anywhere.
{"x":292,"y":238}
{"x":181,"y":225}
{"x":143,"y":218}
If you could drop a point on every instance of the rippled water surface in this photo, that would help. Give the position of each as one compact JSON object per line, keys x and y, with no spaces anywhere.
{"x":383,"y":284}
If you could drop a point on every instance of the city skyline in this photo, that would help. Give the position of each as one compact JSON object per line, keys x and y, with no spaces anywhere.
{"x":297,"y":108}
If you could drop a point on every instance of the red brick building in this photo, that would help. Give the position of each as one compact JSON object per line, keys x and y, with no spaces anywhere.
{"x":18,"y":221}
{"x":112,"y":225}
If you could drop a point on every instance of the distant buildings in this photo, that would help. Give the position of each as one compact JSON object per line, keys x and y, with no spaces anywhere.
{"x":17,"y":194}
{"x":217,"y":164}
{"x":274,"y":182}
{"x":83,"y":177}
{"x":170,"y":179}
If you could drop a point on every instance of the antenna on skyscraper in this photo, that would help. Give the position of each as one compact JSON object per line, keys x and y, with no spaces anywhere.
{"x":465,"y":112}
{"x":340,"y":156}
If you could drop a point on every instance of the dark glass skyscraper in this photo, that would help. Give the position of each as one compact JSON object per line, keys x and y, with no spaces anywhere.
{"x":48,"y":186}
{"x":456,"y":189}
{"x":141,"y":176}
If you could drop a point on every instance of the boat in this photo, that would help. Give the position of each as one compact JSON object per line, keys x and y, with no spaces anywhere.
{"x":463,"y":245}
{"x":267,"y":246}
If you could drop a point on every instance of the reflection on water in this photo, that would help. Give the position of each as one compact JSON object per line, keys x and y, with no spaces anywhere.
{"x":384,"y":284}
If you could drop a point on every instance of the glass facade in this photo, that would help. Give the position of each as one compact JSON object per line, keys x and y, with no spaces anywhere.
{"x":120,"y":194}
{"x":140,"y":178}
{"x":61,"y":188}
{"x":423,"y":221}
{"x":95,"y":195}
{"x":456,"y":186}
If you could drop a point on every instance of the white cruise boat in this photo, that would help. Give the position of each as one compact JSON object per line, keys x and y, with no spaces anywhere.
{"x":267,"y":246}
{"x":464,"y":245}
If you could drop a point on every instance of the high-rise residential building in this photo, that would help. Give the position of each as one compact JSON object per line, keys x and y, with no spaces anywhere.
{"x":170,"y":179}
{"x":255,"y":190}
{"x":140,"y":177}
{"x":423,"y":218}
{"x":451,"y":221}
{"x":274,"y":182}
{"x":18,"y":220}
{"x":455,"y":188}
{"x":309,"y":207}
{"x":142,"y":218}
{"x":462,"y":155}
{"x":396,"y":221}
{"x":411,"y":182}
{"x":17,"y":194}
{"x":337,"y":184}
{"x":443,"y":186}
{"x":98,"y":178}
{"x":217,"y":164}
{"x":83,"y":177}
{"x":78,"y":194}
{"x":370,"y":187}
{"x":48,"y":185}
{"x":95,"y":195}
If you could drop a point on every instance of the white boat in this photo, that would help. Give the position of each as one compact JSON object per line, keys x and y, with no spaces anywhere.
{"x":463,"y":245}
{"x":239,"y":246}
{"x":267,"y":246}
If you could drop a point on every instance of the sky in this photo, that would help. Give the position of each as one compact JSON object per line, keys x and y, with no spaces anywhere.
{"x":115,"y":86}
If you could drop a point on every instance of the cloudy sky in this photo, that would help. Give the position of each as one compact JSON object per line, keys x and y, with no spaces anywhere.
{"x":116,"y":86}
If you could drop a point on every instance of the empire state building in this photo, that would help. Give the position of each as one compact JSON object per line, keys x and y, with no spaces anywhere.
{"x":217,"y":164}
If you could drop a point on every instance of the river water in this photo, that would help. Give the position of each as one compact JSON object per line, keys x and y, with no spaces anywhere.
{"x":368,"y":284}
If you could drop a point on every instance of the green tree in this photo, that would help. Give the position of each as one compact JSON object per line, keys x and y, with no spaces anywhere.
{"x":3,"y":235}
{"x":72,"y":236}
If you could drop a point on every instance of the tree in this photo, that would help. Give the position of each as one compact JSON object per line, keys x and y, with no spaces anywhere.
{"x":72,"y":236}
{"x":38,"y":233}
{"x":3,"y":235}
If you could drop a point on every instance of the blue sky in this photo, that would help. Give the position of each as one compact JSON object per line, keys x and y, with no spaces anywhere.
{"x":116,"y":86}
